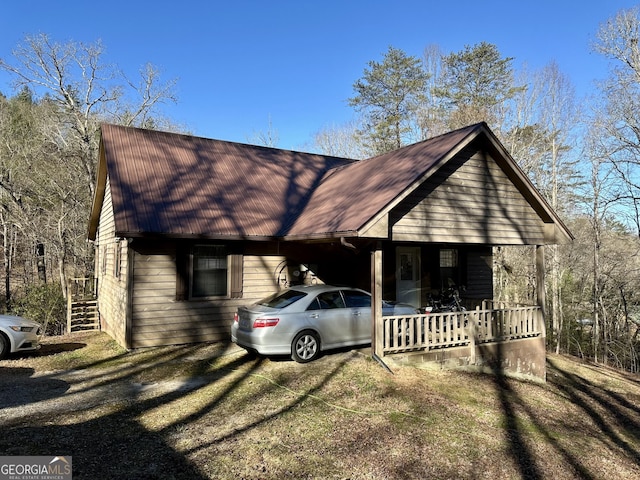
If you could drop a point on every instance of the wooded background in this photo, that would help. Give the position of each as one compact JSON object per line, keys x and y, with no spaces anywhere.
{"x":583,"y":154}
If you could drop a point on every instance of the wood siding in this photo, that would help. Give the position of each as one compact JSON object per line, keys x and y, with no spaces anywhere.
{"x":470,"y":200}
{"x":112,"y":290}
{"x":159,"y":319}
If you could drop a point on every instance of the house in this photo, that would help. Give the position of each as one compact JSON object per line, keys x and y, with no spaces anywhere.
{"x":186,"y":229}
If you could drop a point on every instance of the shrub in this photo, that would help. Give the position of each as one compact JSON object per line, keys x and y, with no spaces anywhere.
{"x":44,"y":304}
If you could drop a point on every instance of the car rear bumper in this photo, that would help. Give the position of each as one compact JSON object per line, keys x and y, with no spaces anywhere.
{"x":258,"y":343}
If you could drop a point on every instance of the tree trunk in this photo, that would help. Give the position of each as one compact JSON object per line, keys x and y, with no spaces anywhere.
{"x":6,"y":247}
{"x":555,"y":317}
{"x":596,"y":317}
{"x":42,"y":270}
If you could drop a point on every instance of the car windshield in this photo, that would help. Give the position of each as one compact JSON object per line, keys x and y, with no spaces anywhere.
{"x":282,"y":299}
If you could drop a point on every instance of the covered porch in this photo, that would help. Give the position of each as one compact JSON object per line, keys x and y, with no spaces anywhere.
{"x":494,"y":335}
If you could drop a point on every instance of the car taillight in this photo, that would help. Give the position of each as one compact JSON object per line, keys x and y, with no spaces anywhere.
{"x":265,"y":322}
{"x":236,"y":319}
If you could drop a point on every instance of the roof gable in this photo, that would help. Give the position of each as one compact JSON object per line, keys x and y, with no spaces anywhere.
{"x":470,"y":199}
{"x":356,"y":199}
{"x":354,"y":194}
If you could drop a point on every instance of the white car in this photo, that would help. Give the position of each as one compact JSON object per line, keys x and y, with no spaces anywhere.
{"x":18,"y":335}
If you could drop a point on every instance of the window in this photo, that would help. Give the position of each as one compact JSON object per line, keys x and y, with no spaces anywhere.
{"x":314,"y":305}
{"x":283,"y":299}
{"x":328,"y":300}
{"x":208,"y":271}
{"x":117,"y":258}
{"x":449,"y":272}
{"x":356,"y":299}
{"x":448,"y":258}
{"x":210,"y":267}
{"x":103,"y":252}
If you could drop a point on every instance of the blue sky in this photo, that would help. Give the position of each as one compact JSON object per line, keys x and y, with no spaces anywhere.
{"x":244,"y":63}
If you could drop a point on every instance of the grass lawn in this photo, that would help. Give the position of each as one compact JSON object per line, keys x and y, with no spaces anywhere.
{"x":213,"y":412}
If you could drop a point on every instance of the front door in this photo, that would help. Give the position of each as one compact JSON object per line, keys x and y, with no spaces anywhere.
{"x":408,"y":286}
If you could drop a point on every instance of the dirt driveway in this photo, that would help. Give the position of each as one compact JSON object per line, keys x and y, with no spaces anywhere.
{"x":135,"y":414}
{"x":37,"y":383}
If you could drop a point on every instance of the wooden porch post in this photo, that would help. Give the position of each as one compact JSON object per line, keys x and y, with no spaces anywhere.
{"x":69,"y":305}
{"x":540,"y":290}
{"x":129,"y":300}
{"x":376,"y":301}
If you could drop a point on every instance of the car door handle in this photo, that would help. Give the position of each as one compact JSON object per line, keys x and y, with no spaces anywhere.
{"x":314,"y":315}
{"x":356,"y":314}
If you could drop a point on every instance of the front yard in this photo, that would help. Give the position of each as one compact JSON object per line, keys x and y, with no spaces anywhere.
{"x":212,"y":412}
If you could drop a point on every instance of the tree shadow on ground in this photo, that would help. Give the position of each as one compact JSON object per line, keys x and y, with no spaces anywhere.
{"x":592,"y":401}
{"x":112,"y":443}
{"x":618,"y":426}
{"x":514,"y":407}
{"x":519,"y":450}
{"x":18,"y":387}
{"x":113,"y":446}
{"x":104,"y":433}
{"x":55,"y":348}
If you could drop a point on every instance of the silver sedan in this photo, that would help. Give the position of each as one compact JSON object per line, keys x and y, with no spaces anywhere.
{"x":305,"y":320}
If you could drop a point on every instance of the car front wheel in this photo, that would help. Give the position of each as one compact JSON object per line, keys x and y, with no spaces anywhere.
{"x":4,"y":346}
{"x":305,"y":347}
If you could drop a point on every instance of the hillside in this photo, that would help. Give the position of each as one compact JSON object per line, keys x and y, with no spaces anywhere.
{"x":211,"y":411}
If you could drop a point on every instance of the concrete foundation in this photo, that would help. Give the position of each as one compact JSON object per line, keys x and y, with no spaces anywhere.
{"x":524,"y":357}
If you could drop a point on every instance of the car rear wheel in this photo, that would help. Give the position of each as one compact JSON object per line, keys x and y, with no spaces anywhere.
{"x":251,"y":353}
{"x":305,"y":347}
{"x":4,"y":346}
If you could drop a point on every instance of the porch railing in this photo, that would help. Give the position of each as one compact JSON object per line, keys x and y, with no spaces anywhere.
{"x":405,"y":333}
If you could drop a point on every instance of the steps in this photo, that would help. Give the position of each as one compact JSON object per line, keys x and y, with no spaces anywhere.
{"x":82,"y":305}
{"x":82,"y":315}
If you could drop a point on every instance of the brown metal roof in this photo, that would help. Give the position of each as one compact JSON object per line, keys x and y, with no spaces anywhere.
{"x":178,"y":185}
{"x":171,"y":184}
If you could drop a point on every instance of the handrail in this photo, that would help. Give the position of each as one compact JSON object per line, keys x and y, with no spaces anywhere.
{"x":81,"y":287}
{"x":450,"y":329}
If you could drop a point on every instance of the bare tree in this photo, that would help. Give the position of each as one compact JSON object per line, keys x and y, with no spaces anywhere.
{"x":86,"y":91}
{"x":432,"y":113}
{"x":268,"y":138}
{"x":138,"y":107}
{"x":74,"y":90}
{"x":617,"y":40}
{"x":559,"y":117}
{"x":74,"y":78}
{"x":340,"y":141}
